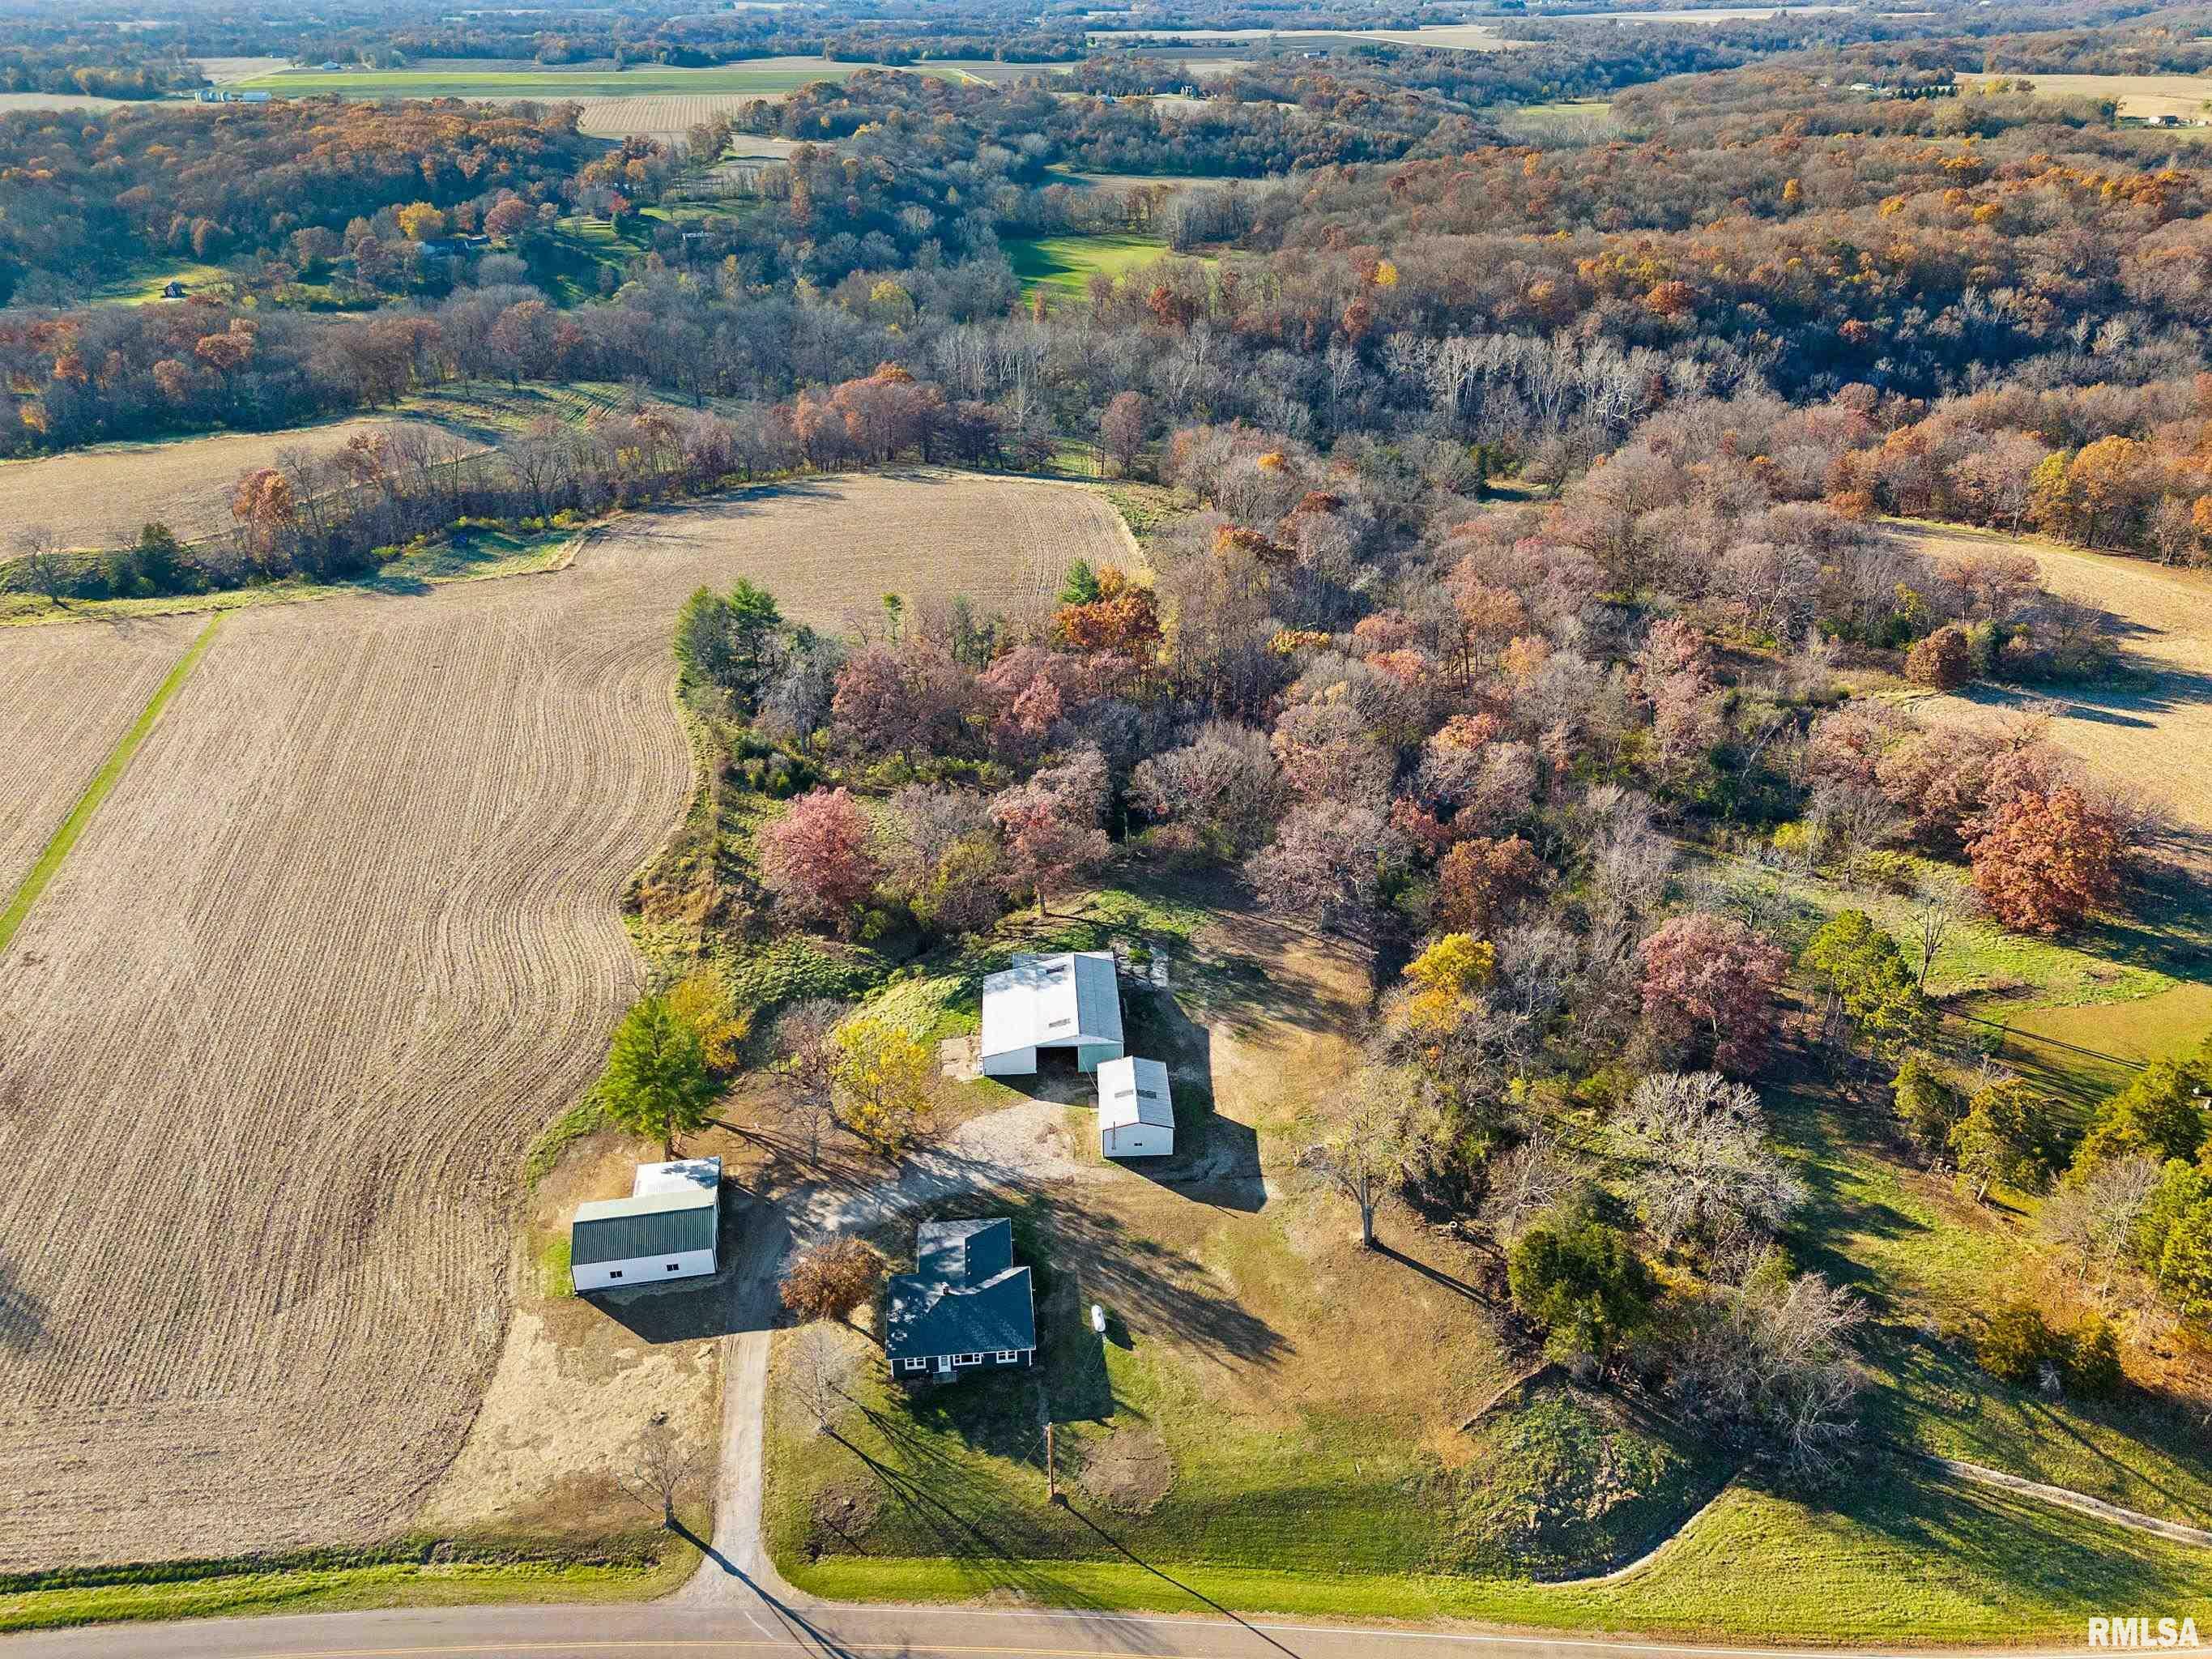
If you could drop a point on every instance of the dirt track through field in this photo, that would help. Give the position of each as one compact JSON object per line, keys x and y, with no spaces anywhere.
{"x":2152,"y":733}
{"x":341,"y":940}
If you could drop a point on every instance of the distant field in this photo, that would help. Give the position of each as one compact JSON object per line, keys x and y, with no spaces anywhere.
{"x":10,"y":102}
{"x":2141,"y":731}
{"x":1466,"y":37}
{"x":1693,"y":14}
{"x":2139,"y":95}
{"x":665,"y":117}
{"x":1064,"y":265}
{"x":758,"y":78}
{"x":1150,"y":180}
{"x":97,"y":498}
{"x":226,"y":72}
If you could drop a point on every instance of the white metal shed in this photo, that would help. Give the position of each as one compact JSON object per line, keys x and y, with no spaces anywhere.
{"x":1072,"y":1000}
{"x":1136,"y":1111}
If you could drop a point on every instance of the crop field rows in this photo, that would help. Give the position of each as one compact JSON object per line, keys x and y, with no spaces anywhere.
{"x":66,"y":697}
{"x":665,"y":117}
{"x":344,"y":937}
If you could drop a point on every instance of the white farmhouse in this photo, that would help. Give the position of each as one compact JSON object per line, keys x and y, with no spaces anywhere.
{"x":666,"y":1229}
{"x":1136,"y":1113}
{"x":1071,"y":1000}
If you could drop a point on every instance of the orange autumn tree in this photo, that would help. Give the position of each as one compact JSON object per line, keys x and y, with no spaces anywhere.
{"x":1124,"y":619}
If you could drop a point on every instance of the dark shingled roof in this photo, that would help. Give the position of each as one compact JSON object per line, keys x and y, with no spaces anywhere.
{"x":967,"y":1298}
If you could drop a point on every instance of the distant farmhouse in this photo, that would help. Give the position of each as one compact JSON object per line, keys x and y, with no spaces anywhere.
{"x":965,"y":1308}
{"x":225,"y":95}
{"x":1067,"y":1001}
{"x":667,"y":1228}
{"x":1136,"y":1112}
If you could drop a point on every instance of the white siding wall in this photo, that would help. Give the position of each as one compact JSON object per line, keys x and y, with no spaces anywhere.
{"x":642,"y":1270}
{"x":1020,"y":1062}
{"x":1137,"y":1140}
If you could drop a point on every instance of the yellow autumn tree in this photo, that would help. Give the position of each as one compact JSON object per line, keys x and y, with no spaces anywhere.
{"x":1442,"y":979}
{"x":419,"y":222}
{"x":702,"y":1001}
{"x":881,"y":1078}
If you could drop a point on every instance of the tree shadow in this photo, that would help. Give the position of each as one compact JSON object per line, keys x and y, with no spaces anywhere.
{"x":1992,"y":1536}
{"x":803,"y":1632}
{"x":1461,"y":1287}
{"x":963,"y":1514}
{"x":23,"y":1315}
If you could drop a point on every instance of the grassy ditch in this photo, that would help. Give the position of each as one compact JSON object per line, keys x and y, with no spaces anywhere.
{"x":103,"y":783}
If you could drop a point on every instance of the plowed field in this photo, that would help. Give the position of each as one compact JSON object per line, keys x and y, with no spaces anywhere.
{"x":342,"y":939}
{"x":67,"y":696}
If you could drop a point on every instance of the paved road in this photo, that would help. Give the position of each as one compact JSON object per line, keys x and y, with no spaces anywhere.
{"x":768,"y":1625}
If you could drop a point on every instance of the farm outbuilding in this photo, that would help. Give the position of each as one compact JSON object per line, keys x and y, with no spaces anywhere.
{"x":1136,"y":1112}
{"x":1072,"y":1000}
{"x":667,"y":1228}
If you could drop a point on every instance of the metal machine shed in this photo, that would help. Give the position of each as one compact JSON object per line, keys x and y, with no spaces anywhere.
{"x":1072,"y":1000}
{"x":666,"y":1228}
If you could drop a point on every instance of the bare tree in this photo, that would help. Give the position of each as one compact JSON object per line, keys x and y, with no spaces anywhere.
{"x":662,"y":1467}
{"x":805,"y":1036}
{"x":818,"y":1374}
{"x":2092,"y":1220}
{"x":1768,"y":1359}
{"x":46,"y":566}
{"x":1932,"y":921}
{"x":1365,"y":1152}
{"x":1525,"y":1183}
{"x":1700,"y":1166}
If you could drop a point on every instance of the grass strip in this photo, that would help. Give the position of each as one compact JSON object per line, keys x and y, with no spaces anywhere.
{"x":410,"y":1572}
{"x":103,"y":782}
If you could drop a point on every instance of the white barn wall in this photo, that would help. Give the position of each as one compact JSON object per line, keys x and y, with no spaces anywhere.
{"x":1137,"y":1140}
{"x":642,"y":1270}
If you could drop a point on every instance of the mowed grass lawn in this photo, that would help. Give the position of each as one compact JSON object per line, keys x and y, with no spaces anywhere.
{"x":764,"y":77}
{"x":1901,"y":1556}
{"x":1064,"y":265}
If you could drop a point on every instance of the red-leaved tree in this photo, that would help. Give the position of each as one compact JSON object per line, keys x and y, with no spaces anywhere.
{"x":815,"y":858}
{"x":1050,"y":826}
{"x":1709,"y":983}
{"x":2044,"y":861}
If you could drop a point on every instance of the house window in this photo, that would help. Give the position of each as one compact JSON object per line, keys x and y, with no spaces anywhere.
{"x":967,"y":1358}
{"x":914,"y":1364}
{"x":614,"y":1273}
{"x":1007,"y":1356}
